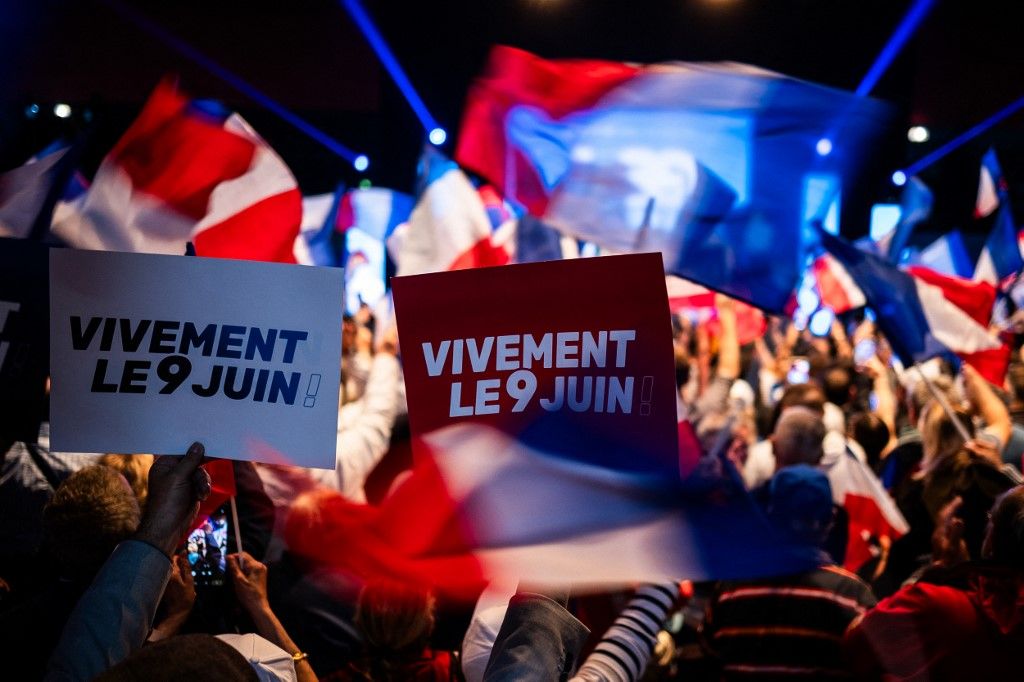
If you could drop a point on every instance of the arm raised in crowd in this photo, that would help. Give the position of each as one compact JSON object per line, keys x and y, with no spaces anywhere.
{"x":364,"y":440}
{"x":249,"y":580}
{"x":886,"y":406}
{"x":115,"y":614}
{"x":987,"y":405}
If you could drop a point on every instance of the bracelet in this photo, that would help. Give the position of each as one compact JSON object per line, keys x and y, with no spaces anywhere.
{"x":299,"y":656}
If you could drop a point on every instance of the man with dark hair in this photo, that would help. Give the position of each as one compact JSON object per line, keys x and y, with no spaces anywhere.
{"x":972,"y":627}
{"x":791,"y":625}
{"x":838,"y":383}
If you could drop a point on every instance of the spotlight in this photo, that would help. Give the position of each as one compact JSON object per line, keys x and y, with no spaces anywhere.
{"x":62,"y":110}
{"x":437,"y":137}
{"x":824,"y":147}
{"x":361,"y":163}
{"x":32,"y":110}
{"x":918,"y":134}
{"x":899,"y":178}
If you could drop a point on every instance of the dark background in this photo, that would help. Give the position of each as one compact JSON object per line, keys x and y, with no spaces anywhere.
{"x":962,"y":65}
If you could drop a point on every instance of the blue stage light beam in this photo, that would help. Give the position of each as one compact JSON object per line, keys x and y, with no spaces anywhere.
{"x":394,"y":69}
{"x":238,"y":83}
{"x":913,"y":18}
{"x":964,"y":137}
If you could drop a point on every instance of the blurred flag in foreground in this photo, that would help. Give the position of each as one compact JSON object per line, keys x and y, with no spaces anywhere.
{"x":183,"y":174}
{"x":923,"y":313}
{"x":542,"y":397}
{"x":721,"y":167}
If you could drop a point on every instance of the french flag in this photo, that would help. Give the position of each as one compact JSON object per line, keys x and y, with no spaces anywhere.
{"x":684,"y":295}
{"x":181,"y":174}
{"x":836,"y":288}
{"x":870,"y":509}
{"x":483,"y":504}
{"x":1001,"y":257}
{"x":326,"y":218}
{"x":947,"y":255}
{"x":710,"y":164}
{"x":923,"y":313}
{"x":991,"y":186}
{"x":449,"y":228}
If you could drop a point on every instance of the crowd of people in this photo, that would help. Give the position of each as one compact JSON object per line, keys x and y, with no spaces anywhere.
{"x":905,"y":481}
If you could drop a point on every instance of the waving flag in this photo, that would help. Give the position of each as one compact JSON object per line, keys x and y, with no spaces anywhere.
{"x":181,"y":174}
{"x":714,"y":165}
{"x":377,"y":211}
{"x":923,"y":313}
{"x":449,"y":229}
{"x":836,"y":288}
{"x":871,"y":511}
{"x":915,"y":207}
{"x":946,"y":255}
{"x":1000,"y":259}
{"x":319,"y":241}
{"x":529,"y":463}
{"x":991,"y":186}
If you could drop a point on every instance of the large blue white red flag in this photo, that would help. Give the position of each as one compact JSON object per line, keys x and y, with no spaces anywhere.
{"x":182,"y":174}
{"x":543,"y":400}
{"x":721,"y":167}
{"x":923,"y":313}
{"x":450,"y":227}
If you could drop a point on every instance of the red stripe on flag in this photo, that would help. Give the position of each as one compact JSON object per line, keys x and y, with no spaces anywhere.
{"x":414,"y":537}
{"x":974,"y":298}
{"x":866,"y":521}
{"x":515,"y":77}
{"x":263,"y":231}
{"x":481,"y":255}
{"x":178,"y":157}
{"x":991,"y":364}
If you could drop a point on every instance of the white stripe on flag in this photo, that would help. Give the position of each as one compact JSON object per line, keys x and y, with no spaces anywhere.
{"x":950,"y":325}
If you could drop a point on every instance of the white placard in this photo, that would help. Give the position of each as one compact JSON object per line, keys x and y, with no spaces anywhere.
{"x":149,"y":353}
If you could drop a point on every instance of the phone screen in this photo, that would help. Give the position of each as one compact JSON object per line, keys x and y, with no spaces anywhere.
{"x":864,"y":351}
{"x":207,"y":548}
{"x":799,"y":371}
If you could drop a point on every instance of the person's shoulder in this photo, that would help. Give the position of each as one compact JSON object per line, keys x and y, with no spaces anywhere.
{"x":925,"y":600}
{"x":842,"y":582}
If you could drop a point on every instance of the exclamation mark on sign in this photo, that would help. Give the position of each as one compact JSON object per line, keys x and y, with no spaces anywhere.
{"x":645,"y":396}
{"x":314,"y":386}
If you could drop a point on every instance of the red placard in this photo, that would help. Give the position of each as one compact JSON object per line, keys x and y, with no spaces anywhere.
{"x":573,"y":358}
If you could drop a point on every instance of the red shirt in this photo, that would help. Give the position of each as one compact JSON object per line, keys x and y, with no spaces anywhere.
{"x":933,"y":632}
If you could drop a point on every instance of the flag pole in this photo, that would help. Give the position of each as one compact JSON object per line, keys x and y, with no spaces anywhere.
{"x":238,"y":530}
{"x":947,"y":408}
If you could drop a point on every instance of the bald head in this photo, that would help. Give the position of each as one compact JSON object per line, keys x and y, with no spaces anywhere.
{"x":798,"y":437}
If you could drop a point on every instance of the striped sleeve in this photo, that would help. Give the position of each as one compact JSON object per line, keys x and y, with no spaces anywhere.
{"x":626,"y":647}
